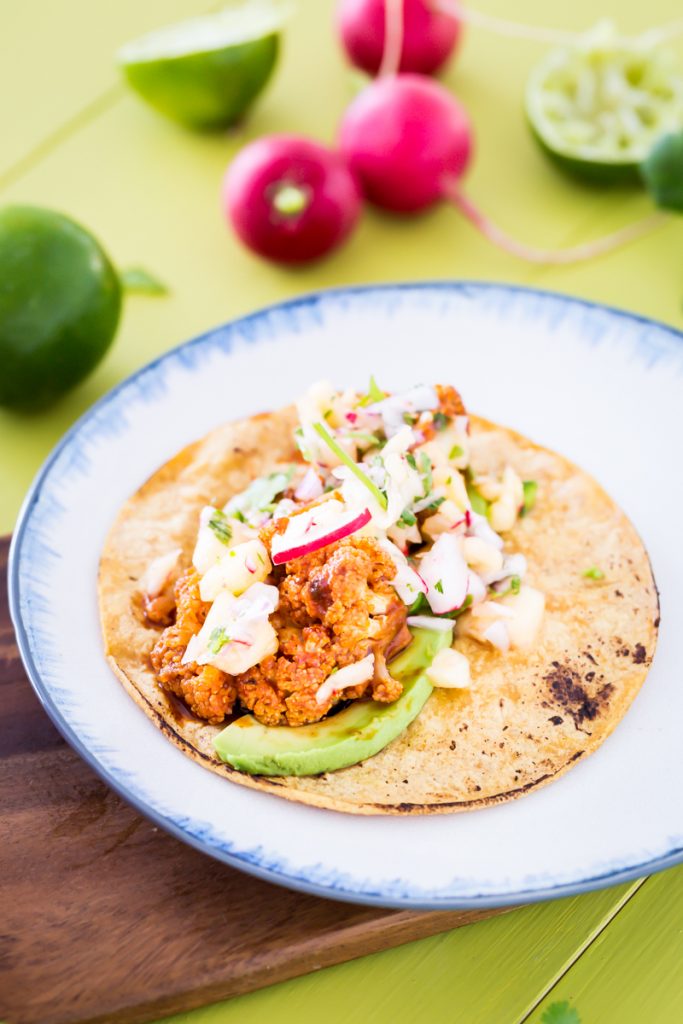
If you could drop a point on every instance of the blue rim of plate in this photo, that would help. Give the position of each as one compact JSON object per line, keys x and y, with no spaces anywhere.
{"x":254,"y":863}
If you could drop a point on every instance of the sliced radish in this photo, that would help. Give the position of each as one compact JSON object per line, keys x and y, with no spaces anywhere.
{"x":407,"y":583}
{"x":445,"y":572}
{"x":317,"y":528}
{"x":430,"y":622}
{"x":479,"y":527}
{"x":310,"y":488}
{"x":352,"y":675}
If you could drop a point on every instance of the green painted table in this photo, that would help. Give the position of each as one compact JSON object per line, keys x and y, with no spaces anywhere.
{"x":74,"y":139}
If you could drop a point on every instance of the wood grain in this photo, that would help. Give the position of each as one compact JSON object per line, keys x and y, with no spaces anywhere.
{"x":106,"y":917}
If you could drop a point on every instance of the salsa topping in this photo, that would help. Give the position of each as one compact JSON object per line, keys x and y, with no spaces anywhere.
{"x":304,"y":586}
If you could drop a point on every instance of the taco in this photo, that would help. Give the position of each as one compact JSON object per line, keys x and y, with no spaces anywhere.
{"x":378,"y":604}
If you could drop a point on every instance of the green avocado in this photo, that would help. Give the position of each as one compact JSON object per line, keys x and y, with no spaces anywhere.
{"x":352,"y":735}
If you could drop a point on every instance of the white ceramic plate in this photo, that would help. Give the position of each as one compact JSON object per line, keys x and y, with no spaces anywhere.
{"x":600,"y":386}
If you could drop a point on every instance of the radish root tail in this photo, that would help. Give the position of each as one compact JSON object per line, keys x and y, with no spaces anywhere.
{"x":552,"y":257}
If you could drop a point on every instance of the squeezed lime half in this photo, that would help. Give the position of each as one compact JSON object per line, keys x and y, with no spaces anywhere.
{"x":205,"y":72}
{"x":598,"y":106}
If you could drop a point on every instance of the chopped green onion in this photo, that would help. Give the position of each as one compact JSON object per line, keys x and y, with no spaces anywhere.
{"x":530,"y":488}
{"x":218,"y":639}
{"x":440,"y":420}
{"x":433,"y":505}
{"x":408,"y":518}
{"x":375,"y":394}
{"x":378,"y":495}
{"x":594,"y":573}
{"x":425,"y":464}
{"x":456,"y":452}
{"x":419,"y":604}
{"x":220,"y":526}
{"x":458,"y":611}
{"x":361,"y":435}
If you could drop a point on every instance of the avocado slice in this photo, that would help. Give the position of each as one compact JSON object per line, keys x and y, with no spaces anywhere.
{"x":352,"y":735}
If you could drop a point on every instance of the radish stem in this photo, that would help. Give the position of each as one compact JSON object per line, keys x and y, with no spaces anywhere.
{"x":393,"y":38}
{"x":290,"y":200}
{"x":573,"y":254}
{"x":538,"y":33}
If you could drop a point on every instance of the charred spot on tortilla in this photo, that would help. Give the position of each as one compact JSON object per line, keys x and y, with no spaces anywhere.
{"x":334,"y":593}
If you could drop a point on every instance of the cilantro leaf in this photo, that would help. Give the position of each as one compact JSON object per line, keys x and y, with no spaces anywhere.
{"x":138,"y":281}
{"x":594,"y":573}
{"x":662,"y":172}
{"x":440,"y":421}
{"x":260,"y":494}
{"x":515,"y":584}
{"x":560,"y":1013}
{"x":220,"y":526}
{"x":439,"y":586}
{"x":530,"y":488}
{"x":217,"y":640}
{"x":455,"y":452}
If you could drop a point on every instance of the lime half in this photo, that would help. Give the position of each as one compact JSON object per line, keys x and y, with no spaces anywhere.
{"x":205,"y":72}
{"x":598,"y":106}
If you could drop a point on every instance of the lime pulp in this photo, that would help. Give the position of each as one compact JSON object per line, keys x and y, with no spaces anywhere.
{"x":598,"y":106}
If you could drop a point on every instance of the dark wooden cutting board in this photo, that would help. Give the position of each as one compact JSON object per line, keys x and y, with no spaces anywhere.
{"x":106,"y":918}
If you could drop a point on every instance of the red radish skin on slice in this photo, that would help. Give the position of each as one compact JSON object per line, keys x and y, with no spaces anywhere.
{"x":322,"y":540}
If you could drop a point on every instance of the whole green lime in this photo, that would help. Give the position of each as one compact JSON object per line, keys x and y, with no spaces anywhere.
{"x":205,"y":72}
{"x":60,"y":301}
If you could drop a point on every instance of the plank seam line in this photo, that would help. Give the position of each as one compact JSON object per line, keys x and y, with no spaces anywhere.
{"x":581,"y":949}
{"x":47,"y":146}
{"x":72,"y":125}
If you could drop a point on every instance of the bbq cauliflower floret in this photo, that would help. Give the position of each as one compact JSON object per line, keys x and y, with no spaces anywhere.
{"x":207,"y":691}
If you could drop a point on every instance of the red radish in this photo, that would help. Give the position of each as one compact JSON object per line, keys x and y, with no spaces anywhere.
{"x":319,"y":535}
{"x":429,"y":36}
{"x":405,"y":137}
{"x":290,"y":199}
{"x":409,"y":143}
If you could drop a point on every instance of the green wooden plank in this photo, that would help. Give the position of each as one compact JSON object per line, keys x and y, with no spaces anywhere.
{"x":632,"y":972}
{"x":480,"y":974}
{"x":57,"y":65}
